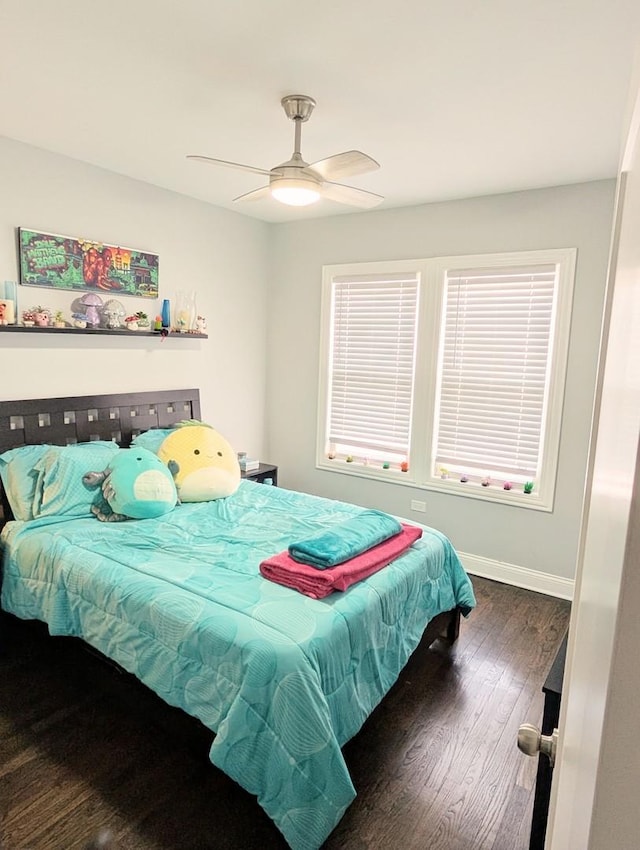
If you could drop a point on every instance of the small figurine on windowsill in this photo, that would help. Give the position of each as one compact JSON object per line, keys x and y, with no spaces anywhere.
{"x":528,"y":487}
{"x":201,"y":324}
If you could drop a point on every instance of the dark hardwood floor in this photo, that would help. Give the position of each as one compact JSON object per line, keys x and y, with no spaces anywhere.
{"x":436,"y":766}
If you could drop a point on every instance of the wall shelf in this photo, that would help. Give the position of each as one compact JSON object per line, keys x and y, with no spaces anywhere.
{"x":98,"y":332}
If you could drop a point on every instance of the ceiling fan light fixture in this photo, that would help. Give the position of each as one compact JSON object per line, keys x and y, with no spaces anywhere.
{"x":295,"y":192}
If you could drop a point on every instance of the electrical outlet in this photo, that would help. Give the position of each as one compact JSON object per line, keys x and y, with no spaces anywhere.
{"x":418,"y":506}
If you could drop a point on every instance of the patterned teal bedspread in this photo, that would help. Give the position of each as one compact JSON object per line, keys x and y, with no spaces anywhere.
{"x":283,"y":680}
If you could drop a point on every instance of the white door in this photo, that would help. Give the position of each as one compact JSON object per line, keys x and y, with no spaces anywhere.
{"x":583,"y":812}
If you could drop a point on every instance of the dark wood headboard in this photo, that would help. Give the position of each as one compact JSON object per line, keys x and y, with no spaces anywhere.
{"x":80,"y":419}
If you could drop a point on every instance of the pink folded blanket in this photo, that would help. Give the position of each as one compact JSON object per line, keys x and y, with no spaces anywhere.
{"x":282,"y":569}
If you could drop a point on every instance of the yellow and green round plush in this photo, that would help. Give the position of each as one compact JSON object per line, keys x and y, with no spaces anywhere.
{"x":203,"y":464}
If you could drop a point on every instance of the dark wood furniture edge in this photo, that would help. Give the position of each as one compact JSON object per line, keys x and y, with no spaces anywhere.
{"x":445,"y":626}
{"x":265,"y":470}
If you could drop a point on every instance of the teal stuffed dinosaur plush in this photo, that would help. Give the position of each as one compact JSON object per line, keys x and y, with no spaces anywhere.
{"x":135,"y":485}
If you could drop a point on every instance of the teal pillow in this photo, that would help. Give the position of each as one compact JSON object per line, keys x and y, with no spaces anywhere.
{"x":62,"y":468}
{"x":20,"y":478}
{"x":152,"y":439}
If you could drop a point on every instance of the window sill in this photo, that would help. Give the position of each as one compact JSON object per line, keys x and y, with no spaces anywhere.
{"x":359,"y":470}
{"x":493,"y":493}
{"x":450,"y":487}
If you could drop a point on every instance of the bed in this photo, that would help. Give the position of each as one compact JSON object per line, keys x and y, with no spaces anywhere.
{"x":282,"y":680}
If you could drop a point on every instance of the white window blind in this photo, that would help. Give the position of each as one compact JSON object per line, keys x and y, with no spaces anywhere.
{"x":372,"y":364}
{"x":494,"y":372}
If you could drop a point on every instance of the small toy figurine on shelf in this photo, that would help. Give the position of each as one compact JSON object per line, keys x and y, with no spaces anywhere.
{"x":7,"y":312}
{"x":404,"y":466}
{"x":42,"y":316}
{"x":464,"y":478}
{"x":528,"y":487}
{"x":143,"y":320}
{"x":28,"y":318}
{"x":486,"y":482}
{"x":201,"y":324}
{"x":91,"y":302}
{"x":113,"y":314}
{"x":8,"y":301}
{"x":507,"y":485}
{"x":58,"y":319}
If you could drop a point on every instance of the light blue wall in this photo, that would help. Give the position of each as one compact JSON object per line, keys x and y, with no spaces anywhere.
{"x":572,"y":216}
{"x":221,"y":255}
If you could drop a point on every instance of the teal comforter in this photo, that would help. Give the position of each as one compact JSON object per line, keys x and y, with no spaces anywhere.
{"x":283,"y":680}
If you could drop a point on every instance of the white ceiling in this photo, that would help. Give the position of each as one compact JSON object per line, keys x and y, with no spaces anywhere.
{"x":454,"y":98}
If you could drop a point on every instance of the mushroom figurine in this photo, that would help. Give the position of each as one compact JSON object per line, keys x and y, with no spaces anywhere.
{"x":113,"y":313}
{"x":91,"y":302}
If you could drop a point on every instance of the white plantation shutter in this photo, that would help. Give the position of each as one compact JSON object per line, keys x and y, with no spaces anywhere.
{"x":494,"y":370}
{"x":372,"y":364}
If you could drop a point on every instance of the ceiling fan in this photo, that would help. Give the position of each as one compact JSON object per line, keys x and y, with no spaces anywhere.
{"x":297,"y":183}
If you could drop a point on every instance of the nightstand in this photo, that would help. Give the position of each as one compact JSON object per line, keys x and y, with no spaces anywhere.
{"x":264,"y":472}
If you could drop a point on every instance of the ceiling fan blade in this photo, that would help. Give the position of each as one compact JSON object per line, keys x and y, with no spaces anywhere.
{"x":350,"y":195}
{"x":255,"y":194}
{"x":239,"y":165}
{"x":346,"y":164}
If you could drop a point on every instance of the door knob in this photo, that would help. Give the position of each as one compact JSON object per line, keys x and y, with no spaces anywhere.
{"x":530,"y":742}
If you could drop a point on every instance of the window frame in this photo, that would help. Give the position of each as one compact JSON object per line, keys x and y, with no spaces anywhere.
{"x":431,"y":275}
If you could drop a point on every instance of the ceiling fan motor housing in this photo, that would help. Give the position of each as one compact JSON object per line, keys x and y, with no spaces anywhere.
{"x":298,"y":107}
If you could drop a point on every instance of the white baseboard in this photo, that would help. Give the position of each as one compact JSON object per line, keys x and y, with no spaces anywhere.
{"x":518,"y":576}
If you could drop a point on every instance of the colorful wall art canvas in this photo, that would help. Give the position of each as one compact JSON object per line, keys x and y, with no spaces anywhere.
{"x":64,"y":262}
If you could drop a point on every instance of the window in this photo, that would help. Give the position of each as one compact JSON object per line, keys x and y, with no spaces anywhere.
{"x":448,"y":373}
{"x":372,"y":366}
